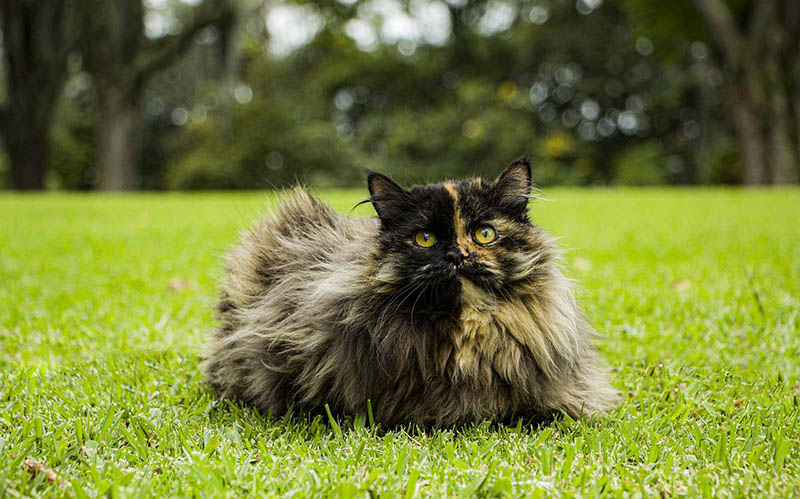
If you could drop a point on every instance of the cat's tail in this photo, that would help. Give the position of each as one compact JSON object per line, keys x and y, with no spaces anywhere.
{"x":290,"y":237}
{"x":299,"y":210}
{"x":287,"y":241}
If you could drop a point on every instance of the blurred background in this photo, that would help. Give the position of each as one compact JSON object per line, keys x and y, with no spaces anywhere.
{"x":251,"y":94}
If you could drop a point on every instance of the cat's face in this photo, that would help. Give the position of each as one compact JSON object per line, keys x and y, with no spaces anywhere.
{"x":442,"y":243}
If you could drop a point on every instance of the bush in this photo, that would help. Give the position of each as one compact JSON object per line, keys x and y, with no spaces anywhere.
{"x":642,"y":164}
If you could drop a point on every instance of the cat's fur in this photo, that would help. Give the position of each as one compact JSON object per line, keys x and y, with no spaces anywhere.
{"x":319,"y":308}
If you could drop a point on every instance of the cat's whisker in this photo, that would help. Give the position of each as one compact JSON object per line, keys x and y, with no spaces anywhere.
{"x":410,"y":289}
{"x":420,"y":295}
{"x":398,"y":299}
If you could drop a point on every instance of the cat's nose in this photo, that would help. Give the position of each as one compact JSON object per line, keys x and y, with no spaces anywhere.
{"x":455,"y":256}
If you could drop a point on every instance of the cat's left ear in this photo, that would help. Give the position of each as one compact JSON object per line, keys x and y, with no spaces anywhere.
{"x":387,"y":197}
{"x":513,"y":186}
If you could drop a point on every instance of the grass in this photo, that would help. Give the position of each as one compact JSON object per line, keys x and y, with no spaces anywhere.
{"x":105,"y":301}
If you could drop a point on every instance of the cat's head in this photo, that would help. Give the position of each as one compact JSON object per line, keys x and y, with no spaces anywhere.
{"x":439,"y":242}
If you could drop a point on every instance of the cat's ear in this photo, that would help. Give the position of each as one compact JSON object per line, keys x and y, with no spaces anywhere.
{"x":387,"y":197}
{"x":513,"y":186}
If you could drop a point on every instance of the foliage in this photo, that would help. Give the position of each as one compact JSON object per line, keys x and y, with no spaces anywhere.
{"x":241,"y":109}
{"x":744,"y":55}
{"x":278,"y":137}
{"x":672,"y":26}
{"x":643,"y":164}
{"x":453,"y":110}
{"x":724,"y":165}
{"x":107,"y":300}
{"x":590,"y":85}
{"x":72,"y":162}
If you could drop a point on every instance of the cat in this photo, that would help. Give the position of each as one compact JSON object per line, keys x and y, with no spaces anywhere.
{"x":448,"y":308}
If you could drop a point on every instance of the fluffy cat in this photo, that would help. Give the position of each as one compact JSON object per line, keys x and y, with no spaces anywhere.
{"x":448,"y":308}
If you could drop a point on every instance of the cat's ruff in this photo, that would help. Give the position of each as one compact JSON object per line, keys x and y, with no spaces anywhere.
{"x":318,"y":308}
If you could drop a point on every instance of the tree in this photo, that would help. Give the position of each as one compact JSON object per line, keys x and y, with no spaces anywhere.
{"x":37,"y":38}
{"x":744,"y":53}
{"x":759,"y":46}
{"x":121,"y":60}
{"x":541,"y":85}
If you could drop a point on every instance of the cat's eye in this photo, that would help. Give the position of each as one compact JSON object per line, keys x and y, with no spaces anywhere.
{"x":485,"y":234}
{"x":425,"y":238}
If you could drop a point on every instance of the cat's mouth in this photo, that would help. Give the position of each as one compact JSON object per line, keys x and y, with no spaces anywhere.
{"x":474,"y":273}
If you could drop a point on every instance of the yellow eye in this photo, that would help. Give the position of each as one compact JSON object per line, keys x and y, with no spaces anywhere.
{"x":425,"y":238}
{"x":485,"y":234}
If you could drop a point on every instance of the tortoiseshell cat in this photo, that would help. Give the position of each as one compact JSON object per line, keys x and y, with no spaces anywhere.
{"x":448,"y":308}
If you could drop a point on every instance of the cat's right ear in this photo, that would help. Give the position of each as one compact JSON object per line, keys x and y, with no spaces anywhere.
{"x":387,"y":197}
{"x":514,"y":185}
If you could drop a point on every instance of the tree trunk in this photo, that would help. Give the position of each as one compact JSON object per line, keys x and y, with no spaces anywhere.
{"x":783,"y":168}
{"x":118,"y":145}
{"x":121,"y":59}
{"x":741,"y":55}
{"x":796,"y":104}
{"x":36,"y":38}
{"x":792,"y":14}
{"x":783,"y":158}
{"x":749,"y":135}
{"x":777,"y":75}
{"x":28,"y":149}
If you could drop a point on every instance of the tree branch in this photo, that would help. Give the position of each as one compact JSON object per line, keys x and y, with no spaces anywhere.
{"x":719,"y":19}
{"x":765,"y":12}
{"x":165,"y":50}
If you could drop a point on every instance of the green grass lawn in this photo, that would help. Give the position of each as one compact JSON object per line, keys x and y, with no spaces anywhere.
{"x":105,"y":302}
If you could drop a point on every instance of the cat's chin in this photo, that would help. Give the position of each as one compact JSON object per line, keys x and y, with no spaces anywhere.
{"x":474,"y":277}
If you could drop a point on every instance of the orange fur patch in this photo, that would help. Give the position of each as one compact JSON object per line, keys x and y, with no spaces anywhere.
{"x":465,"y":243}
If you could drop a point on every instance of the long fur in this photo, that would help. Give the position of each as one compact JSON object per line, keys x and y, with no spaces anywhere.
{"x":318,"y":308}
